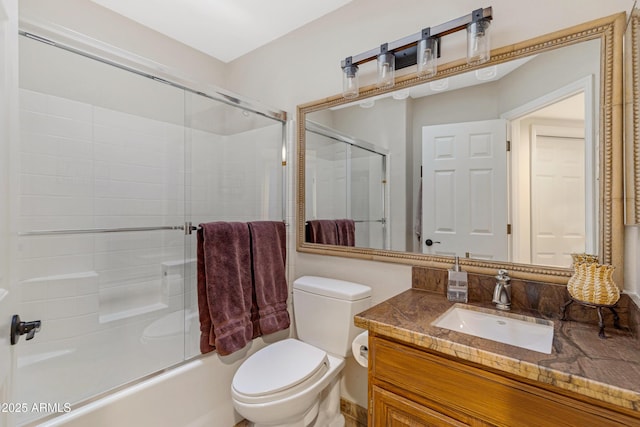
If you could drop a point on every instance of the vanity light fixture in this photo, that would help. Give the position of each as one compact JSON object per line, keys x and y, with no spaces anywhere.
{"x":421,"y":49}
{"x":350,"y":87}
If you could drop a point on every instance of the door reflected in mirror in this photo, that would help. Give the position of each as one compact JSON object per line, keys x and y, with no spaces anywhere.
{"x":498,"y":164}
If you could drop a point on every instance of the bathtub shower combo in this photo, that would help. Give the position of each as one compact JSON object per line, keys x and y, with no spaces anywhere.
{"x":116,"y":168}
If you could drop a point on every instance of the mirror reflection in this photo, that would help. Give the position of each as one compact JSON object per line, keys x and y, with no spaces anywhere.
{"x":345,"y":179}
{"x":498,"y":164}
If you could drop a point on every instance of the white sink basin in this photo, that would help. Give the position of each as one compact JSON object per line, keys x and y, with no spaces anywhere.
{"x":522,"y":331}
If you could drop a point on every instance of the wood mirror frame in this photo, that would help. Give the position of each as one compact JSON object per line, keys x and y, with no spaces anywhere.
{"x":632,"y":112}
{"x":610,"y":31}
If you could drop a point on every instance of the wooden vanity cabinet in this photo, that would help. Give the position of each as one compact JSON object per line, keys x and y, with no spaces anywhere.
{"x":393,"y":410}
{"x":411,"y":387}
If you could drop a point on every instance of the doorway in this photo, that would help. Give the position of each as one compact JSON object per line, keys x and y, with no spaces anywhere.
{"x":553,"y":168}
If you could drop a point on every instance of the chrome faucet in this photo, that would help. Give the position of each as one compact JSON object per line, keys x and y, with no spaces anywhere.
{"x":502,"y":291}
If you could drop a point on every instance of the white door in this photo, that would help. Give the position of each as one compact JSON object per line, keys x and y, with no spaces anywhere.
{"x":557,"y":196}
{"x":8,"y":135}
{"x":464,"y":202}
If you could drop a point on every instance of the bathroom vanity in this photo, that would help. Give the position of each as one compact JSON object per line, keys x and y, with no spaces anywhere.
{"x":420,"y":374}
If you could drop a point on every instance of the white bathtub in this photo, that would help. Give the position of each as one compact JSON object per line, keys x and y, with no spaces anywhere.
{"x":194,"y":394}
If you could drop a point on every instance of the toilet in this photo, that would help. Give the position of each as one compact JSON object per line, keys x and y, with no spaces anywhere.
{"x":295,"y":382}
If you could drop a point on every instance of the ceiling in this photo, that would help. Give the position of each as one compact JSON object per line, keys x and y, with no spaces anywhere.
{"x":223,"y":29}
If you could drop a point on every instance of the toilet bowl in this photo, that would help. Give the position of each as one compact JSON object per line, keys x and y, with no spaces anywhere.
{"x":286,"y":392}
{"x":296,"y":382}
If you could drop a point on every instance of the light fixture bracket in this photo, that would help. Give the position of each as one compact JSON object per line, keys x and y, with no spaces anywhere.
{"x":348,"y":67}
{"x":426,"y":34}
{"x":477,"y":15}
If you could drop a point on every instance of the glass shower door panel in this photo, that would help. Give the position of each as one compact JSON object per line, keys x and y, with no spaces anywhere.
{"x":101,"y":152}
{"x":235,"y":156}
{"x":367,"y":197}
{"x":234,"y":173}
{"x":326,"y":178}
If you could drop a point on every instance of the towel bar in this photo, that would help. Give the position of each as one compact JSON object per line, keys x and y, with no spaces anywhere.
{"x":383,"y":220}
{"x":188,"y":227}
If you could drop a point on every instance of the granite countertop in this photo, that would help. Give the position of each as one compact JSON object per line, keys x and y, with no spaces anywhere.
{"x":604,"y":369}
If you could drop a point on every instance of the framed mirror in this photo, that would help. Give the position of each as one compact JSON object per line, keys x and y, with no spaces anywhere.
{"x":538,"y":177}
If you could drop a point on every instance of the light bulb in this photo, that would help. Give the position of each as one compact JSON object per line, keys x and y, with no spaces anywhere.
{"x":478,"y":42}
{"x":427,"y":57}
{"x":386,"y":70}
{"x":350,"y":86}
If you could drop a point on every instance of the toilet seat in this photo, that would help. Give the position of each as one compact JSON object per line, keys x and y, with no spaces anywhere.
{"x":279,"y":370}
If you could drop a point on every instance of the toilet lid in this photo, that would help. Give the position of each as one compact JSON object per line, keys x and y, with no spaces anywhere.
{"x":277,"y":367}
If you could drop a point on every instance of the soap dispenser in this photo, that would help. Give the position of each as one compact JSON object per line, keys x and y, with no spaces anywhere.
{"x":457,"y":286}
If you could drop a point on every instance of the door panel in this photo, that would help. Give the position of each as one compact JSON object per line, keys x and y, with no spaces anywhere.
{"x":557,"y":199}
{"x":8,"y":138}
{"x":465,"y":189}
{"x":391,"y":410}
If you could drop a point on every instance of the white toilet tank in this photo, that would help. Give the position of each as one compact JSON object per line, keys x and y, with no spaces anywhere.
{"x":324,"y":309}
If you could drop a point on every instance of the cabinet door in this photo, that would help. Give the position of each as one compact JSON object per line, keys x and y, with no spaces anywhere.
{"x":391,"y":410}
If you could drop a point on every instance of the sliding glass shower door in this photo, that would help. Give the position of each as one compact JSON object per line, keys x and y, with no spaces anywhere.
{"x":234,"y":172}
{"x":114,"y":172}
{"x":99,"y":214}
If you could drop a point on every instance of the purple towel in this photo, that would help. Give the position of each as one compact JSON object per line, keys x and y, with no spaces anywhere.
{"x":322,"y":231}
{"x":346,"y":232}
{"x":225,"y":288}
{"x":269,"y":254}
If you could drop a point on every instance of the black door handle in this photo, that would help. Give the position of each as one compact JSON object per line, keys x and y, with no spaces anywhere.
{"x":429,"y":242}
{"x":23,"y":328}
